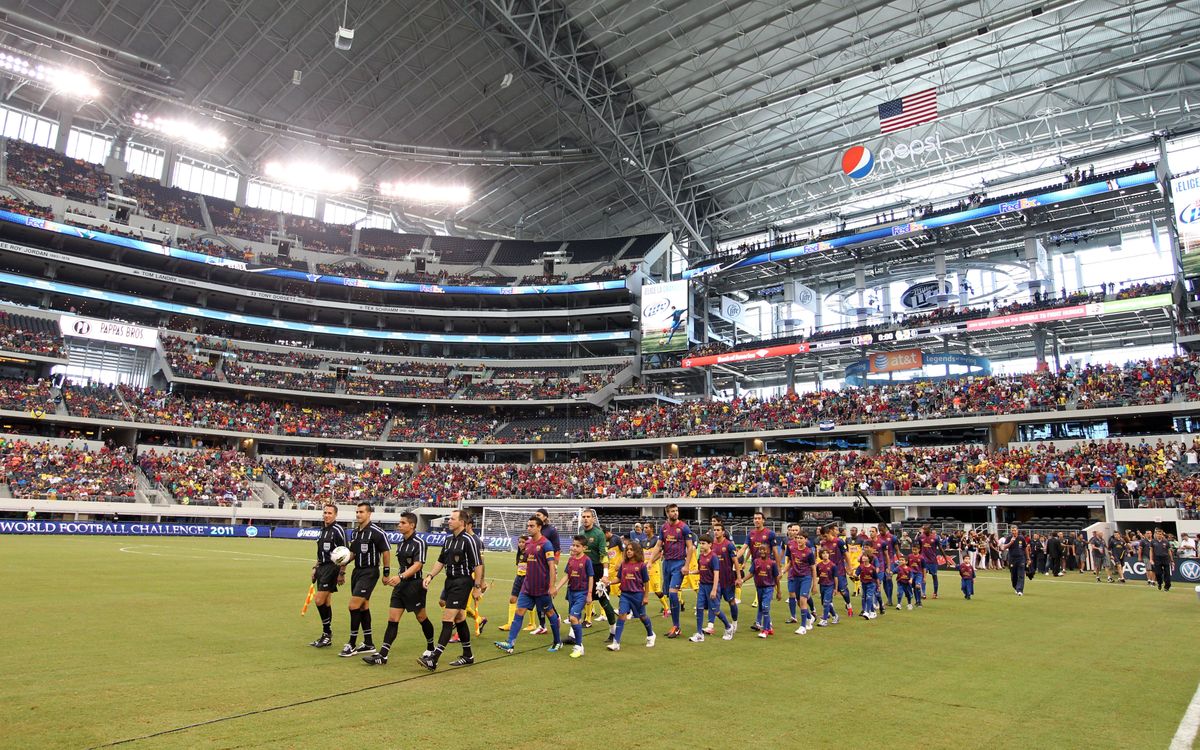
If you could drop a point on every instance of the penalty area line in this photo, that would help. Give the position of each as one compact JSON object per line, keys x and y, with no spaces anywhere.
{"x":1189,"y":725}
{"x":318,"y":699}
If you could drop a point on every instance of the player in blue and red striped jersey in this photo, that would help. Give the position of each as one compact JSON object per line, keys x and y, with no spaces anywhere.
{"x":885,"y":555}
{"x":541,"y":562}
{"x":904,"y":581}
{"x":730,"y":580}
{"x":759,"y":538}
{"x":966,"y":571}
{"x":708,"y":601}
{"x":930,"y":546}
{"x":826,"y":573}
{"x":634,"y":594}
{"x":866,"y":574}
{"x":675,"y":546}
{"x":580,"y":578}
{"x":800,"y":571}
{"x":766,"y":582}
{"x":836,"y":547}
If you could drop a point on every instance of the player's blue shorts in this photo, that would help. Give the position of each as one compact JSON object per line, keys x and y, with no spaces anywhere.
{"x":705,"y":600}
{"x":518,"y":582}
{"x":542,"y":602}
{"x":672,"y":574}
{"x":575,"y":603}
{"x":801,"y":586}
{"x":930,"y":567}
{"x":728,"y":593}
{"x":631,"y":604}
{"x":842,"y":583}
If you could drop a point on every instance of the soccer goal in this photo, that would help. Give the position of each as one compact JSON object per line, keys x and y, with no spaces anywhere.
{"x":510,"y":522}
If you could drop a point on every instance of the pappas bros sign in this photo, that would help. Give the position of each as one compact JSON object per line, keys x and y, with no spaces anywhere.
{"x":107,"y":330}
{"x":905,"y":359}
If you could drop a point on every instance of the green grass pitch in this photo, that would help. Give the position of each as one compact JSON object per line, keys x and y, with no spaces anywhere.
{"x":198,"y":643}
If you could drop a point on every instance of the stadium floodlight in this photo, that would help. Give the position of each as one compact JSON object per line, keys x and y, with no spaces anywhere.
{"x":56,"y":79}
{"x":181,"y":130}
{"x":309,"y":176}
{"x":423,"y":192}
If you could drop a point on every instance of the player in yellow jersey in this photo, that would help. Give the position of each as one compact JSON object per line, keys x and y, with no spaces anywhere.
{"x":656,"y":580}
{"x":853,"y":554}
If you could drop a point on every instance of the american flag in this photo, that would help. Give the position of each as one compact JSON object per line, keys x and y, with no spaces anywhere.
{"x":908,"y":111}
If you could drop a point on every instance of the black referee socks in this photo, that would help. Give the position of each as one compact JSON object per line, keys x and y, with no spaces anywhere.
{"x":464,"y":636}
{"x":427,"y":629}
{"x":355,"y":620}
{"x":364,"y":619}
{"x":326,"y":613}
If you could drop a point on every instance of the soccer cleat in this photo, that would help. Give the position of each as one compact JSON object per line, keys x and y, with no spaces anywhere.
{"x":935,"y":595}
{"x":801,"y":630}
{"x":919,"y":605}
{"x":463,"y":661}
{"x":428,"y":662}
{"x":365,"y":648}
{"x":576,"y":652}
{"x":600,"y":617}
{"x":666,"y":612}
{"x":849,"y":611}
{"x":1097,"y":579}
{"x":531,"y":627}
{"x":756,"y":626}
{"x":482,"y":624}
{"x":540,"y":631}
{"x":375,"y":659}
{"x":555,"y":647}
{"x":836,"y":619}
{"x":733,"y":627}
{"x":697,"y":638}
{"x":426,"y":654}
{"x":504,"y":646}
{"x":1020,"y":593}
{"x":762,"y":634}
{"x":650,"y":641}
{"x":673,"y":633}
{"x":614,"y":646}
{"x":770,"y":631}
{"x":709,"y":629}
{"x":822,"y":623}
{"x":323,"y":641}
{"x":791,"y":621}
{"x":346,"y":651}
{"x":506,"y":627}
{"x":898,"y":607}
{"x":587,"y":623}
{"x":454,"y":637}
{"x":609,"y":639}
{"x":728,"y":634}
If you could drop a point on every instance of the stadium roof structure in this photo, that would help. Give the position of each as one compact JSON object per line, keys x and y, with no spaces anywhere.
{"x":628,"y":115}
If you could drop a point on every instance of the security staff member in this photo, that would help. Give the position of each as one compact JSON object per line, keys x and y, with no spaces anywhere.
{"x":1162,"y":559}
{"x":1016,"y":547}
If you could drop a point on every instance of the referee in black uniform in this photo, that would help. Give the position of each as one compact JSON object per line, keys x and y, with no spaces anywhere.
{"x":369,"y":545}
{"x":461,"y":560}
{"x":326,"y":574}
{"x":409,"y":594}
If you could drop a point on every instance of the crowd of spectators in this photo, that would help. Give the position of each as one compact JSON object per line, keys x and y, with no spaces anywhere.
{"x":354,"y":270}
{"x":319,"y":236}
{"x":239,"y":221}
{"x":95,"y":401}
{"x":311,"y":482}
{"x":321,"y":382}
{"x":47,"y":171}
{"x":25,"y":208}
{"x":186,"y":361}
{"x":427,"y":389}
{"x":214,"y":248}
{"x":446,"y":428}
{"x":29,"y":335}
{"x":26,"y":395}
{"x":163,"y":203}
{"x":64,"y":472}
{"x":202,"y":477}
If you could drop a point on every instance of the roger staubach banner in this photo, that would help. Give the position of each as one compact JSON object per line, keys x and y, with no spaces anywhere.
{"x":664,"y":317}
{"x":1185,"y":194}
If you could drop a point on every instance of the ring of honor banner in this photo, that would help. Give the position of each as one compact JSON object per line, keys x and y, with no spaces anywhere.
{"x":665,"y":320}
{"x":1185,"y":194}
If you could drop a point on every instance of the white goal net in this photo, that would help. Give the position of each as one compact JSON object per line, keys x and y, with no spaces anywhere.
{"x":510,"y":522}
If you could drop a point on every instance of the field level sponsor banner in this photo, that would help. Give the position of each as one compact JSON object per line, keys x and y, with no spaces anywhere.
{"x":664,"y":319}
{"x":288,"y":273}
{"x":904,"y":359}
{"x":432,"y":538}
{"x":742,"y":356}
{"x":1186,"y":571}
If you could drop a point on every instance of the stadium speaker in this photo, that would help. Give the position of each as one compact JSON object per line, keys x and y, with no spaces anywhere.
{"x":548,"y":267}
{"x":122,"y":215}
{"x":420,"y":265}
{"x":285,"y":249}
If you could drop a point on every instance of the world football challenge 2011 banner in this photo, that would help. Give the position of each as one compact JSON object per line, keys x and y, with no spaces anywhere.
{"x":125,"y":528}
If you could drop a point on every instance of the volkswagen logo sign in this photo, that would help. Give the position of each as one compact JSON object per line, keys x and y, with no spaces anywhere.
{"x":1189,"y":570}
{"x":82,"y":327}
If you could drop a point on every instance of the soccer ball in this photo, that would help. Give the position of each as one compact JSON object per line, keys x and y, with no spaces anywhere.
{"x":340,"y":555}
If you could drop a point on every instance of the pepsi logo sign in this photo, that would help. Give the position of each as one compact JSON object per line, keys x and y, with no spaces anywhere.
{"x":858,"y":162}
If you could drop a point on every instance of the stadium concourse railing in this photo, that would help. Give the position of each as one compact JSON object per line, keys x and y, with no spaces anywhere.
{"x":664,"y":441}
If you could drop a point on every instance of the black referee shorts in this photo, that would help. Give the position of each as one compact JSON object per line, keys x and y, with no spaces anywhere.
{"x":457,"y":591}
{"x":362,"y":583}
{"x":327,"y":575}
{"x":409,"y":596}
